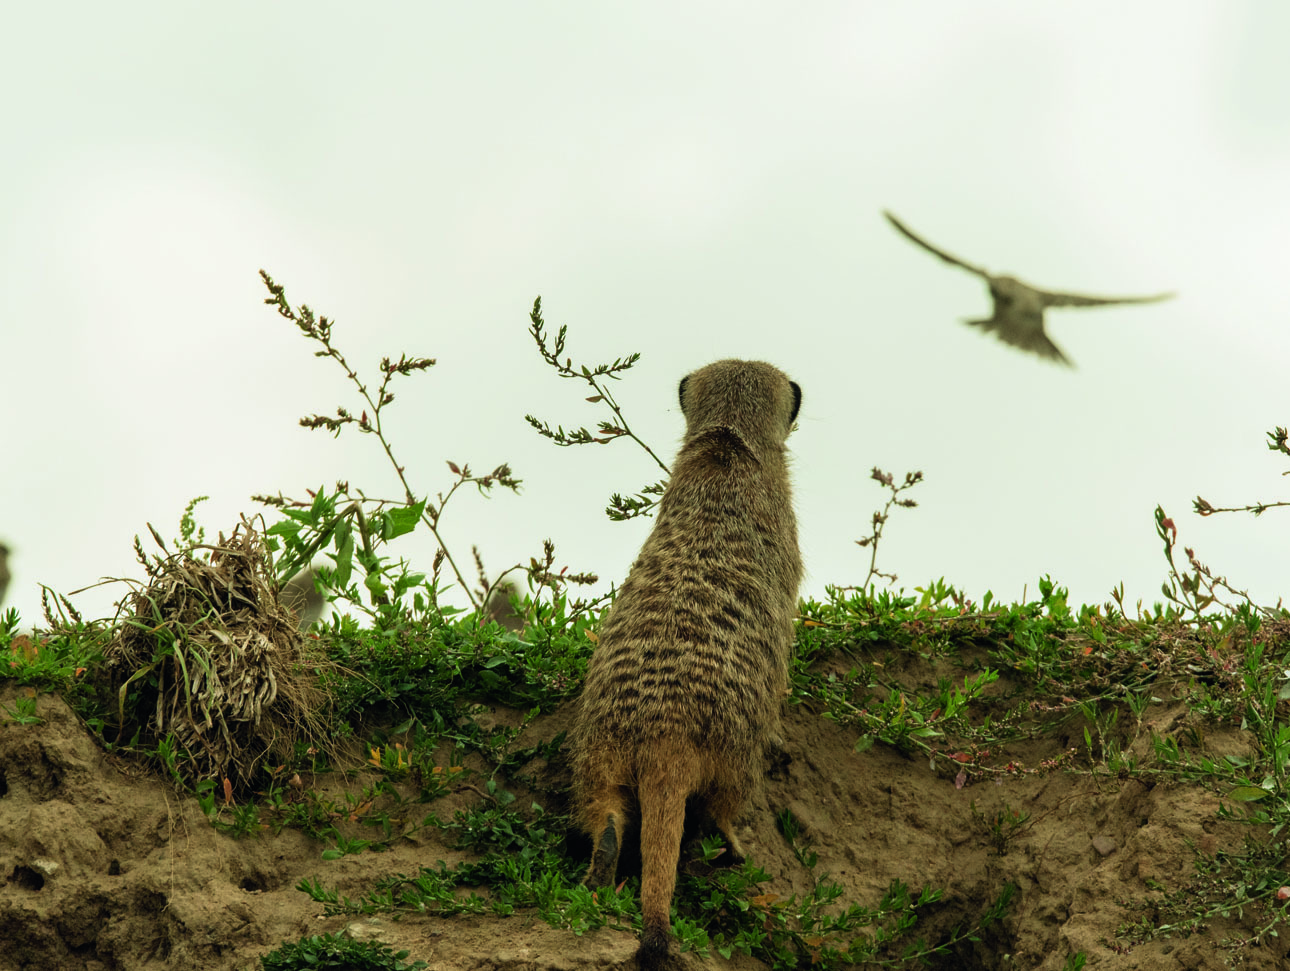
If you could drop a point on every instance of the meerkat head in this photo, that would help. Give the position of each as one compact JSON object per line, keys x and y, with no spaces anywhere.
{"x":753,"y":399}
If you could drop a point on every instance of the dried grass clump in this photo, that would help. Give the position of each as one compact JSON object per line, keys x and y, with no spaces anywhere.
{"x":207,"y":653}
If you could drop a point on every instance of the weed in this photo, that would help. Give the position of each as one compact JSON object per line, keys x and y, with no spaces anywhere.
{"x":191,"y":535}
{"x":1108,"y":752}
{"x":597,"y":378}
{"x":169,"y":753}
{"x":353,"y":528}
{"x":23,"y":711}
{"x":1002,"y":826}
{"x":353,"y":525}
{"x":54,"y":663}
{"x":335,"y":952}
{"x":521,"y":859}
{"x":9,"y":621}
{"x":1278,"y":441}
{"x":523,"y":864}
{"x":880,"y":519}
{"x":735,"y":915}
{"x":431,"y":678}
{"x":1197,"y":589}
{"x":1250,"y":885}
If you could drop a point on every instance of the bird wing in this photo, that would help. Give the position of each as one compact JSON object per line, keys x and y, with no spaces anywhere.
{"x":1053,"y":299}
{"x":1029,"y":335}
{"x":948,"y":258}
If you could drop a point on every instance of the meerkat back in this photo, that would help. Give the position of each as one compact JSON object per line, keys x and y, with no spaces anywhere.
{"x":685,"y":687}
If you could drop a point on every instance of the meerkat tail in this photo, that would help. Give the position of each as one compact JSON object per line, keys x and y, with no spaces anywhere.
{"x":665,"y":787}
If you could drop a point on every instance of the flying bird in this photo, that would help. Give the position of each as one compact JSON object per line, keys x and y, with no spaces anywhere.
{"x":1018,"y":307}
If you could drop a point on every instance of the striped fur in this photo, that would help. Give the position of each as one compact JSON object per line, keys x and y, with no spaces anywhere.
{"x":684,"y":691}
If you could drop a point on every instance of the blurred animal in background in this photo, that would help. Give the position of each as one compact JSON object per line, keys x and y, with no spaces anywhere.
{"x":1018,"y":317}
{"x":301,"y":595}
{"x":4,"y":570}
{"x":499,"y":606}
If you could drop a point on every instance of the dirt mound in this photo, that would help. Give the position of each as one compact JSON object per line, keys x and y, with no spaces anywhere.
{"x":106,"y":868}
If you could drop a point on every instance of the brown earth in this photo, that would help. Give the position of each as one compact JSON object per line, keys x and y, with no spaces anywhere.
{"x":104,"y":867}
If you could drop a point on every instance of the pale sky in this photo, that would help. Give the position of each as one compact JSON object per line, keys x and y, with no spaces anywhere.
{"x":688,"y":180}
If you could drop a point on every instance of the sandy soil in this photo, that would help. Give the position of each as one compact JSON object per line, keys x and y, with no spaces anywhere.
{"x":103,"y":867}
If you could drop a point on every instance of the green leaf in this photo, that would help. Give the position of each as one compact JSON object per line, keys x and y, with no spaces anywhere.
{"x":319,"y":506}
{"x":1247,"y":793}
{"x":401,"y":519}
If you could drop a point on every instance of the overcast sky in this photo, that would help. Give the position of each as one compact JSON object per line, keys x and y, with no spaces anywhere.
{"x":688,"y":180}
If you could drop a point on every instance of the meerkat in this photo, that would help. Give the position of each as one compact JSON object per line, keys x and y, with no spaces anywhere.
{"x":499,"y":607}
{"x":684,"y":690}
{"x":4,"y":570}
{"x":302,"y":597}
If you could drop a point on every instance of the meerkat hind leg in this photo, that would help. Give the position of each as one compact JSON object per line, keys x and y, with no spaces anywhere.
{"x":722,"y":805}
{"x":604,"y":861}
{"x":611,"y":821}
{"x":712,"y":814}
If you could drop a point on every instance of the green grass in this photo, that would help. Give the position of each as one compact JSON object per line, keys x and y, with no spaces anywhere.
{"x":966,"y":686}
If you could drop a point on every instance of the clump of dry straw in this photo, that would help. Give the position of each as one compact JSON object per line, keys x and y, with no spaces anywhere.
{"x":207,"y":654}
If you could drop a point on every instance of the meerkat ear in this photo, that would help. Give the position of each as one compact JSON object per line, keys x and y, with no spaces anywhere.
{"x":797,"y":401}
{"x":680,"y":393}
